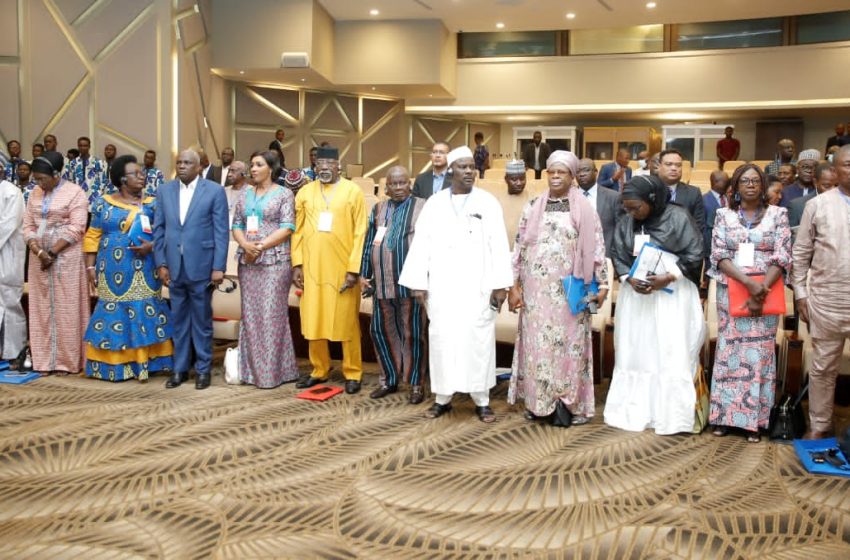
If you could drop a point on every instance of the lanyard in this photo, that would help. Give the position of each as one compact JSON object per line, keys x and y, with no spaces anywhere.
{"x":462,"y":206}
{"x":744,"y":219}
{"x":48,"y":197}
{"x":326,"y":199}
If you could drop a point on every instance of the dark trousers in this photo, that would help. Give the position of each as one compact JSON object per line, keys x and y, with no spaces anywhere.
{"x":538,"y":173}
{"x":191,"y":317}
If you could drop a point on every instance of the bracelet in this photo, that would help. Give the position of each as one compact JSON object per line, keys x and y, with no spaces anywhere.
{"x":90,"y":268}
{"x":38,"y":255}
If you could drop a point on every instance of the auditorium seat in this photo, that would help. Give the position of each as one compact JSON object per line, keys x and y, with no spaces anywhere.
{"x":686,"y":171}
{"x":730,"y":166}
{"x":701,"y":178}
{"x":371,"y":200}
{"x":366,"y":184}
{"x":498,"y":163}
{"x":227,"y":308}
{"x":354,"y":170}
{"x":494,"y":174}
{"x":706,"y":164}
{"x":762,"y":163}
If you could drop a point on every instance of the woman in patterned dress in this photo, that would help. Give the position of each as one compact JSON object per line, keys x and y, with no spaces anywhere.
{"x":54,"y":223}
{"x":129,"y":335}
{"x":744,"y":377}
{"x":263,"y":222}
{"x":559,"y":235}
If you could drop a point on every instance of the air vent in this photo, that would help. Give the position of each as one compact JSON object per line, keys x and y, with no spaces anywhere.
{"x":294,"y":60}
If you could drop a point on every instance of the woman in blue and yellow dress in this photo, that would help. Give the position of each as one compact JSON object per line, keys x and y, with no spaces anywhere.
{"x":129,"y":334}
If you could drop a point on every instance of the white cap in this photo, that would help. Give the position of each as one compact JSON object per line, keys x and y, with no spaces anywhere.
{"x":458,"y":153}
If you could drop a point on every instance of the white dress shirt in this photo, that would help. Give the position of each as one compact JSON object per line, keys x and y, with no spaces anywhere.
{"x":590,"y":194}
{"x":186,"y":194}
{"x":224,"y":171}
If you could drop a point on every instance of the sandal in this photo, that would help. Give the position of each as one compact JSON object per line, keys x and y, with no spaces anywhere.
{"x":437,"y":409}
{"x":753,"y":437}
{"x":579,"y":420}
{"x":530,"y":416}
{"x":485,"y":414}
{"x":720,"y":431}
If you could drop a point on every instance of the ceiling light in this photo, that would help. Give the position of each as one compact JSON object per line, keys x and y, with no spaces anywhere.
{"x":242,"y":72}
{"x":373,"y":88}
{"x":374,"y":12}
{"x":303,"y":79}
{"x":571,"y":15}
{"x":650,"y":5}
{"x":500,"y":25}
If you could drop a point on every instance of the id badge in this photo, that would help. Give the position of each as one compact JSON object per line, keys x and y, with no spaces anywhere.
{"x":746,"y":255}
{"x":42,"y":228}
{"x":146,"y":223}
{"x":640,"y":241}
{"x":253,"y":225}
{"x":379,"y":235}
{"x":326,"y":220}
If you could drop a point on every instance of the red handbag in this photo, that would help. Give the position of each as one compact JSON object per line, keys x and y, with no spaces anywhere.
{"x":774,"y":304}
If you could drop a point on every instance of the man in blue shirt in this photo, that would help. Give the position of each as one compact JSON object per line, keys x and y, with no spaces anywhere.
{"x":431,"y":181}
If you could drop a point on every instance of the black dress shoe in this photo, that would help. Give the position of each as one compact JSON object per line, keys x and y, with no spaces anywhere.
{"x":176,"y":379}
{"x":309,"y":381}
{"x":417,"y":394}
{"x":352,"y":386}
{"x":383,"y":391}
{"x":202,"y":381}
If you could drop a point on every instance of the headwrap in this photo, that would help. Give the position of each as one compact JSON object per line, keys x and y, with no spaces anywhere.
{"x":649,"y":189}
{"x":515,"y":167}
{"x":565,"y":158}
{"x":327,"y":152}
{"x":582,"y":214}
{"x":294,"y":178}
{"x":458,"y":153}
{"x":48,"y":163}
{"x":809,"y":154}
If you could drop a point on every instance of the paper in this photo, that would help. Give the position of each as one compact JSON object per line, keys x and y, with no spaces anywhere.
{"x":653,"y":261}
{"x":326,"y":220}
{"x":746,"y":255}
{"x":146,"y":223}
{"x":640,"y":241}
{"x":253,"y":225}
{"x":379,"y":235}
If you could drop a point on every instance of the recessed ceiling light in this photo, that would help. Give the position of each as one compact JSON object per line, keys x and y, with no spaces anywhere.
{"x":373,"y":88}
{"x":303,"y":79}
{"x":500,"y":25}
{"x":374,"y":12}
{"x":241,"y":71}
{"x":571,"y":15}
{"x":651,"y":5}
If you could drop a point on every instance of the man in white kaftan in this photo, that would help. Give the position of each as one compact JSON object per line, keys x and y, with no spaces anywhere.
{"x":459,"y":266}
{"x":13,"y":322}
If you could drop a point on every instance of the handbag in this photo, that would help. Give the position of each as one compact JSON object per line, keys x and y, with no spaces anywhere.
{"x":562,"y":417}
{"x":774,"y":304}
{"x":231,"y":366}
{"x":787,"y":421}
{"x":702,"y":402}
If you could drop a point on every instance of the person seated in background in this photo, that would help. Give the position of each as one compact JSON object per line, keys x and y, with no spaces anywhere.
{"x":787,"y":174}
{"x":805,"y":182}
{"x":617,"y":173}
{"x":728,"y":148}
{"x":785,"y":150}
{"x":826,"y":178}
{"x":774,"y":191}
{"x":606,"y":202}
{"x":643,"y":164}
{"x":399,"y":326}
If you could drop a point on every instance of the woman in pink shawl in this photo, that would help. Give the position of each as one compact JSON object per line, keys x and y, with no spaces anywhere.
{"x":559,"y":235}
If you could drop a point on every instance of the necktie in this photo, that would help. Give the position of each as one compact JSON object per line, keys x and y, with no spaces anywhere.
{"x":587,"y":194}
{"x":672,"y":194}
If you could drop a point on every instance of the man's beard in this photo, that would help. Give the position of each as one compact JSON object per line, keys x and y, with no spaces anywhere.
{"x":325,"y":177}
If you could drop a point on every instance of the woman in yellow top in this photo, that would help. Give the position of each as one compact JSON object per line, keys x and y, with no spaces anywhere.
{"x":129,"y":333}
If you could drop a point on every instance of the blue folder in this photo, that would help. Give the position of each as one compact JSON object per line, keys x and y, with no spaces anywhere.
{"x":15,"y":378}
{"x":804,"y":448}
{"x":576,"y":291}
{"x":136,"y":234}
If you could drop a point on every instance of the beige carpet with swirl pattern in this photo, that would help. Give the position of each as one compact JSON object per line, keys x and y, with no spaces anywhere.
{"x":93,"y":470}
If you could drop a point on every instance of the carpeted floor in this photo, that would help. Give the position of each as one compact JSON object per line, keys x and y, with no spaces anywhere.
{"x":91,"y":470}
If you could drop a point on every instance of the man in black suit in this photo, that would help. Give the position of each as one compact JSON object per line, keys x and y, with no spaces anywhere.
{"x":434,"y":179}
{"x":682,"y":194}
{"x":605,"y":201}
{"x":209,"y":171}
{"x":536,"y":154}
{"x":276,"y":145}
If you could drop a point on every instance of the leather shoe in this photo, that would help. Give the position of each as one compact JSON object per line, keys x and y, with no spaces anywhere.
{"x":202,"y":381}
{"x":815,"y":434}
{"x":352,"y":386}
{"x":176,"y":379}
{"x":309,"y":381}
{"x":382,"y":391}
{"x":417,"y":395}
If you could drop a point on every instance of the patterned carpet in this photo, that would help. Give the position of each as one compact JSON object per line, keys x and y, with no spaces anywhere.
{"x":93,"y":470}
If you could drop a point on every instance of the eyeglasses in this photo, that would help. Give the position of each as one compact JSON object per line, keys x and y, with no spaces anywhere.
{"x":747,"y":181}
{"x":139,"y":173}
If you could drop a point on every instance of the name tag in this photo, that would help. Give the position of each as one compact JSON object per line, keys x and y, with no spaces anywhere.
{"x":253,"y":225}
{"x":746,"y":255}
{"x":379,"y":235}
{"x":146,"y":223}
{"x":326,"y":220}
{"x":640,"y":241}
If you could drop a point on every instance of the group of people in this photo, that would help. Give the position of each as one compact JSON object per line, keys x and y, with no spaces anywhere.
{"x":436,"y":256}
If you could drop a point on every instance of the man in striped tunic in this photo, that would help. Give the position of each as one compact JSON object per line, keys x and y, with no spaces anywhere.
{"x":398,"y":328}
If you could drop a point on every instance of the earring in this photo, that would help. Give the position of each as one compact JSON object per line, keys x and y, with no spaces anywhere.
{"x":737,"y":197}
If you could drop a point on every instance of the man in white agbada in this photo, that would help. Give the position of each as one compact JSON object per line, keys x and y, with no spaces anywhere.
{"x":459,"y":267}
{"x":13,"y":322}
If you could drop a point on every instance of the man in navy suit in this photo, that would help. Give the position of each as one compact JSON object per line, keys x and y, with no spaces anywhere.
{"x":190,"y":249}
{"x":617,"y":173}
{"x":712,"y":200}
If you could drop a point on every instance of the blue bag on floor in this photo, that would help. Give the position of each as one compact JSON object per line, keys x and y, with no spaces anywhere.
{"x":807,"y":451}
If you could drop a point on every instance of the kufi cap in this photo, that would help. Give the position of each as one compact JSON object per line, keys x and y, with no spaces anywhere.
{"x":809,"y":154}
{"x":458,"y":153}
{"x":515,"y":167}
{"x":327,"y":152}
{"x":565,"y":158}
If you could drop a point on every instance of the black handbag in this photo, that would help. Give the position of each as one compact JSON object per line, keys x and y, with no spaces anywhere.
{"x":787,"y":421}
{"x":562,"y":417}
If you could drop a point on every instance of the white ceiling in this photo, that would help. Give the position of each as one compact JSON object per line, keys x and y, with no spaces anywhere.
{"x":524,"y":15}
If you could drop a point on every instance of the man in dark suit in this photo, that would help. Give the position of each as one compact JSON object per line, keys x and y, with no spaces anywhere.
{"x":825,"y":179}
{"x":536,"y":154}
{"x":209,"y":171}
{"x":712,"y":200}
{"x":605,"y":201}
{"x":617,"y":173}
{"x":190,"y":240}
{"x":682,"y":194}
{"x":277,"y":145}
{"x":434,"y":179}
{"x":805,"y":183}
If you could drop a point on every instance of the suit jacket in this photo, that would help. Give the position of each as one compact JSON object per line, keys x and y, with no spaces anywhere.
{"x":711,"y":204}
{"x":796,"y":207}
{"x":606,"y":174}
{"x":528,"y":155}
{"x":200,"y":244}
{"x":609,"y":209}
{"x":690,"y":198}
{"x":214,"y":174}
{"x":423,"y":187}
{"x":793,"y":192}
{"x":277,"y":146}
